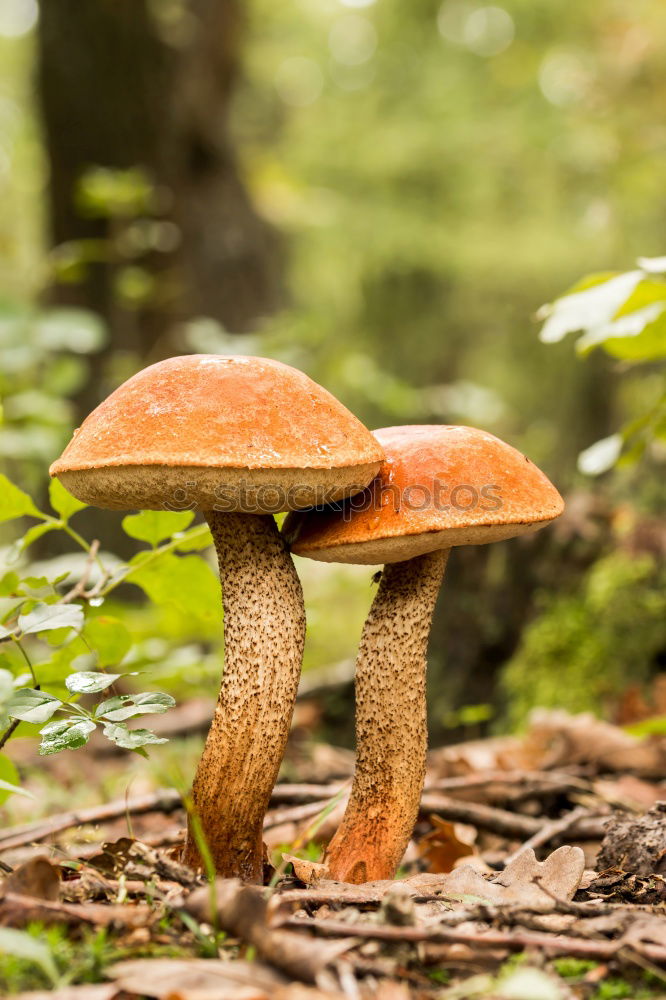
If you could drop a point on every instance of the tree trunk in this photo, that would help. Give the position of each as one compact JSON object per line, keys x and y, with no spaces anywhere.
{"x":122,"y":86}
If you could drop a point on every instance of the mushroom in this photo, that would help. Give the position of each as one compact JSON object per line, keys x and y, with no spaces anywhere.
{"x":440,"y":486}
{"x":241,"y":439}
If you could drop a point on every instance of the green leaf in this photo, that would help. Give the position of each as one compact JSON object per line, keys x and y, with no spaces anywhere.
{"x":131,"y":739}
{"x":154,"y":525}
{"x":9,"y":778}
{"x":69,"y":329}
{"x":22,"y":945}
{"x":30,"y":705}
{"x":9,"y":789}
{"x":600,"y":456}
{"x":47,"y":617}
{"x":65,"y":735}
{"x":195,"y":540}
{"x":130,"y":705}
{"x":90,"y":682}
{"x":653,"y":265}
{"x":14,"y":502}
{"x":62,"y":501}
{"x":589,"y":308}
{"x":187,"y":582}
{"x":110,"y":639}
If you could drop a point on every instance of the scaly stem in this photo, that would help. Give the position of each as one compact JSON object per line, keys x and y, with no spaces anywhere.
{"x":264,"y":633}
{"x":391,"y":730}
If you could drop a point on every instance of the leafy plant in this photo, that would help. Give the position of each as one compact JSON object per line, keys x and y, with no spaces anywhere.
{"x":625,"y":314}
{"x":87,"y":651}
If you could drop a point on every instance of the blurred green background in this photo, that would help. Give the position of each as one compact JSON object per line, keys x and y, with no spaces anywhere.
{"x":382,"y":194}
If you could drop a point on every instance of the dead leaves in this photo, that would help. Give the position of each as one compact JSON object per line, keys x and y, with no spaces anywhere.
{"x":196,"y":979}
{"x":444,"y":845}
{"x":242,"y":911}
{"x":636,"y":845}
{"x":37,"y":878}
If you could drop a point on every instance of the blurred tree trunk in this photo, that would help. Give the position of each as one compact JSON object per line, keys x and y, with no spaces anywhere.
{"x":130,"y":83}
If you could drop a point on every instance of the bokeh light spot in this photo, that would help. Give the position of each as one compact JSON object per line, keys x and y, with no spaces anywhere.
{"x":563,"y":78}
{"x":299,"y":81}
{"x":352,"y":40}
{"x":486,"y":31}
{"x":17,"y":17}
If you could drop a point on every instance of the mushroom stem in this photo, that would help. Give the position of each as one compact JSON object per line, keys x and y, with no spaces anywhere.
{"x":264,"y":633}
{"x":391,"y":729}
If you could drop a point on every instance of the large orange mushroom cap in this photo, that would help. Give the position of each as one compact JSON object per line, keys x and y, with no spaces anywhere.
{"x":203,"y":428}
{"x":440,"y":486}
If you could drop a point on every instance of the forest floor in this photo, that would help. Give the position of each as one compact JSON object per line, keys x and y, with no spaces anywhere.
{"x":537,"y":871}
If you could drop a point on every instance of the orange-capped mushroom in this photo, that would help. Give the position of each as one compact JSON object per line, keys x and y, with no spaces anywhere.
{"x":240,"y":439}
{"x":440,"y":486}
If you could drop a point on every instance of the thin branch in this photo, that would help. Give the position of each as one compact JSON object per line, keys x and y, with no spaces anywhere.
{"x":550,"y":830}
{"x":602,"y":951}
{"x":79,"y":588}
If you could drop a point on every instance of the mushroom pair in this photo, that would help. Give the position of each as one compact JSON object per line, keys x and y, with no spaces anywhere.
{"x":439,"y":487}
{"x":240,"y":439}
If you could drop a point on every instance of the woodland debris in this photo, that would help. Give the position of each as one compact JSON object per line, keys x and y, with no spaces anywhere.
{"x":165,"y":800}
{"x":524,"y":880}
{"x":636,"y":844}
{"x":37,"y":878}
{"x":241,"y":911}
{"x":196,"y":978}
{"x":587,"y":825}
{"x":19,"y":911}
{"x":550,"y":945}
{"x":557,"y":739}
{"x":89,"y":991}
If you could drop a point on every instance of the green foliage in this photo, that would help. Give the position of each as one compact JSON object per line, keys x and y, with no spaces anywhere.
{"x":45,"y":957}
{"x":586,"y":646}
{"x":44,"y":362}
{"x":87,"y":651}
{"x":625,"y":314}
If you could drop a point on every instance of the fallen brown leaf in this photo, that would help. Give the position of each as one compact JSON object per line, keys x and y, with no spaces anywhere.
{"x":443,"y":846}
{"x":195,"y":979}
{"x":37,"y":878}
{"x":99,"y":991}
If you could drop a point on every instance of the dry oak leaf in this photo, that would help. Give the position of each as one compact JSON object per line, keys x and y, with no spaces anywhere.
{"x":524,"y":880}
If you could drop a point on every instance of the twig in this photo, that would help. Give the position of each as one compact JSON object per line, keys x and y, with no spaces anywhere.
{"x":9,"y":732}
{"x":508,"y":824}
{"x":549,"y":831}
{"x":18,"y":911}
{"x":13,"y":726}
{"x":165,"y":800}
{"x":599,"y":950}
{"x":296,"y":813}
{"x":79,"y":588}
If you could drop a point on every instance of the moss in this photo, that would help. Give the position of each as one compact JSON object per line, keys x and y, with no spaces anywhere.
{"x":587,"y":646}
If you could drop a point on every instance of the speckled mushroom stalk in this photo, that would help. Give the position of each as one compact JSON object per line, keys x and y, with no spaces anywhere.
{"x":391,"y":729}
{"x":264,"y":633}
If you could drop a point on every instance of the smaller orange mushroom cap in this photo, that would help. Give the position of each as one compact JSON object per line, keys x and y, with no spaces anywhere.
{"x":440,"y":486}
